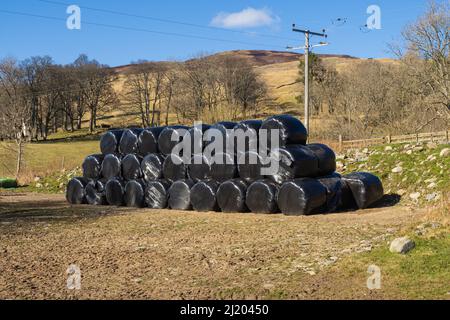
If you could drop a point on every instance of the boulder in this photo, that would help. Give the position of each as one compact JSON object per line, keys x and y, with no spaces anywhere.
{"x":402,"y":245}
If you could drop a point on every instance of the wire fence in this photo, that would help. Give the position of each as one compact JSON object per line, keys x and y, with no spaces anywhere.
{"x":438,"y":137}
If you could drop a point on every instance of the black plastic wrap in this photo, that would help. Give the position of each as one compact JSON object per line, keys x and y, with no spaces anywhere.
{"x":196,"y":135}
{"x":251,"y":141}
{"x":110,"y":141}
{"x":248,"y":169}
{"x":92,"y":166}
{"x":76,"y":193}
{"x":131,"y":167}
{"x":302,"y":196}
{"x":291,"y":131}
{"x":180,"y":195}
{"x":262,"y":197}
{"x":111,"y":166}
{"x":203,"y":196}
{"x":134,"y":195}
{"x":326,"y":156}
{"x":295,"y":161}
{"x":347,"y":201}
{"x":148,"y":141}
{"x":226,"y":129}
{"x":366,"y":188}
{"x":174,"y":171}
{"x":129,"y":141}
{"x":333,"y":183}
{"x":165,"y":144}
{"x":152,"y":167}
{"x":231,"y":196}
{"x":157,"y":194}
{"x":223,"y":167}
{"x":96,"y":193}
{"x":200,"y":171}
{"x":115,"y":191}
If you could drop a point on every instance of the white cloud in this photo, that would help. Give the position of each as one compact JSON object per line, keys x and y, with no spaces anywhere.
{"x":247,"y":18}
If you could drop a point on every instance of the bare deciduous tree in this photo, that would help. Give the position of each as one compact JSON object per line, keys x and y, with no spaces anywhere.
{"x":15,"y":114}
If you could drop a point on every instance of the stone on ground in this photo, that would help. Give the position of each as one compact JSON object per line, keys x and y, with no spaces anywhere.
{"x":402,"y":245}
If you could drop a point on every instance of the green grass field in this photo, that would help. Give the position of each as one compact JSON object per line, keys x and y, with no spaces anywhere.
{"x":41,"y":159}
{"x":423,"y":273}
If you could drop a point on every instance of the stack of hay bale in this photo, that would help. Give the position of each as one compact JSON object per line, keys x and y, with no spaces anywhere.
{"x":137,"y":169}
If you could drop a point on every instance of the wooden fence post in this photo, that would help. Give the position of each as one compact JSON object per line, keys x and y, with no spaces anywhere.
{"x":389,"y":139}
{"x":340,"y":143}
{"x":417,"y":137}
{"x":446,"y":136}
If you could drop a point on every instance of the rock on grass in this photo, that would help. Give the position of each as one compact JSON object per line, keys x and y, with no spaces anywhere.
{"x":402,"y":245}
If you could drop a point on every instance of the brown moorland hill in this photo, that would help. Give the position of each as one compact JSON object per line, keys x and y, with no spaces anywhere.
{"x":279,"y":69}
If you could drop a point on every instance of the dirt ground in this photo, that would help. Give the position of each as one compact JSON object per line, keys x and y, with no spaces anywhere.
{"x":159,"y":254}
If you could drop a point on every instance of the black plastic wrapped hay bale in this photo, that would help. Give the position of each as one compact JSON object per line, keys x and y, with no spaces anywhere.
{"x":92,"y":166}
{"x":76,"y":193}
{"x":96,"y":193}
{"x":180,"y":195}
{"x":131,"y":167}
{"x":195,"y":134}
{"x":366,"y":188}
{"x":152,"y":167}
{"x":294,"y":161}
{"x":224,"y":131}
{"x":115,"y":191}
{"x":248,"y":142}
{"x":129,"y":141}
{"x":302,"y":196}
{"x":326,"y":156}
{"x":347,"y":201}
{"x":157,"y":194}
{"x":203,"y":196}
{"x":174,"y":168}
{"x":110,"y":141}
{"x":333,"y":183}
{"x":231,"y":196}
{"x":250,"y":166}
{"x":199,"y":169}
{"x":134,"y":196}
{"x":223,"y":167}
{"x":262,"y":197}
{"x":148,"y":141}
{"x":111,"y":166}
{"x":165,"y":143}
{"x":291,"y":131}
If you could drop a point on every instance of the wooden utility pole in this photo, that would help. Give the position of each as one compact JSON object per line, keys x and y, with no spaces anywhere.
{"x":307,"y":49}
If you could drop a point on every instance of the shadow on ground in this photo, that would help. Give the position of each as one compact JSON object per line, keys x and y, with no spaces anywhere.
{"x":388,"y":200}
{"x":49,"y":210}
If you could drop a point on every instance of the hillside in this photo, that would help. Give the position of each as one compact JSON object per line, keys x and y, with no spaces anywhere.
{"x":279,"y":69}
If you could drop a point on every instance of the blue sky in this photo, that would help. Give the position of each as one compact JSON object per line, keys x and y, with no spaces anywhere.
{"x":22,"y":36}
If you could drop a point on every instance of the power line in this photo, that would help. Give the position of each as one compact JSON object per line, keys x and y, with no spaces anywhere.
{"x":175,"y":34}
{"x":133,"y":15}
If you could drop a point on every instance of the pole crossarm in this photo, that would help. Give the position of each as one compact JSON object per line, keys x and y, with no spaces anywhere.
{"x":307,"y":48}
{"x":310,"y":32}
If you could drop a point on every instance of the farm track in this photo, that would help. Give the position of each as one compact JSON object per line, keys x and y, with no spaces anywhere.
{"x":159,"y":254}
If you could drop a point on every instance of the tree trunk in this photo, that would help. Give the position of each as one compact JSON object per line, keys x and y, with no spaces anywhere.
{"x":19,"y":157}
{"x":169,"y":100}
{"x":92,"y":121}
